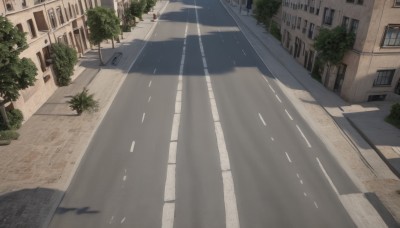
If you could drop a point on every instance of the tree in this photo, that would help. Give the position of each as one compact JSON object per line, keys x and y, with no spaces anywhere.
{"x":83,"y":101}
{"x":103,"y":25}
{"x":331,"y":45}
{"x":64,"y":59}
{"x":137,"y":8}
{"x":15,"y":73}
{"x":265,"y":10}
{"x":149,"y":5}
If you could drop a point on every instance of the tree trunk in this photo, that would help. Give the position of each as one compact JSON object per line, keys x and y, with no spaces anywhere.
{"x":100,"y":57}
{"x":4,"y":115}
{"x":112,"y":41}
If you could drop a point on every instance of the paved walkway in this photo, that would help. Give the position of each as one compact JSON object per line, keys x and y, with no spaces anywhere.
{"x":36,"y":170}
{"x":366,"y":146}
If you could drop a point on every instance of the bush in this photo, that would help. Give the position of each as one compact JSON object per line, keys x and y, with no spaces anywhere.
{"x":136,"y":8}
{"x":275,"y":31}
{"x":64,"y":59}
{"x":5,"y":142}
{"x":9,"y":135}
{"x":316,"y":72}
{"x":149,"y":5}
{"x":395,"y":112}
{"x":15,"y":117}
{"x":394,"y":116}
{"x":82,"y":102}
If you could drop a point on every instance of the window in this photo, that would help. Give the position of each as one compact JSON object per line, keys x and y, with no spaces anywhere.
{"x":19,"y":27}
{"x":60,"y":15}
{"x":397,"y":3}
{"x":354,"y":26}
{"x":53,"y":20}
{"x":392,"y":36}
{"x":81,"y":7}
{"x":41,"y":62}
{"x":328,"y":16}
{"x":9,"y":6}
{"x":23,"y":3}
{"x":384,"y":78}
{"x":305,"y":26}
{"x":298,"y":22}
{"x":350,"y":1}
{"x":360,"y":2}
{"x":41,"y":23}
{"x":31,"y":27}
{"x":311,"y":31}
{"x":380,"y":97}
{"x":346,"y":22}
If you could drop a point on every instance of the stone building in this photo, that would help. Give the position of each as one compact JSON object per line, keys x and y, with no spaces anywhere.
{"x":46,"y":22}
{"x":371,"y":70}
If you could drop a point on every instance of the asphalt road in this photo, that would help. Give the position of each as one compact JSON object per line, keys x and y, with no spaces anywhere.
{"x":279,"y":173}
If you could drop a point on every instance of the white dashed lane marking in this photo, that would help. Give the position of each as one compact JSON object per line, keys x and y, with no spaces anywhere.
{"x":302,"y":134}
{"x":262,"y":119}
{"x":132,"y":146}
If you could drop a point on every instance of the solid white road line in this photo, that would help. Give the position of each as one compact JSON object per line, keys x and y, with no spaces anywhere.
{"x":262,"y":119}
{"x":327,"y":177}
{"x":266,"y":79}
{"x":214,"y":109}
{"x":178,"y":96}
{"x":132,"y":146}
{"x":169,"y":193}
{"x":277,"y":97}
{"x":172,"y":152}
{"x":178,"y":107}
{"x":301,"y":132}
{"x":288,"y":158}
{"x":175,"y":127}
{"x":168,"y":215}
{"x":287,"y":113}
{"x":232,"y":217}
{"x":231,"y":212}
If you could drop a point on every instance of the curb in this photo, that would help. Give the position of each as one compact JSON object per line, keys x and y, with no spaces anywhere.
{"x":377,"y":150}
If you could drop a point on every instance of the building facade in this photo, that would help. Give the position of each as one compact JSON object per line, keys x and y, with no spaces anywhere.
{"x":371,"y":70}
{"x":46,"y":22}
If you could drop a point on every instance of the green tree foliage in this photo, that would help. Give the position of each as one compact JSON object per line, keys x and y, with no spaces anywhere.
{"x":15,"y":118}
{"x":83,"y":102}
{"x":103,"y":25}
{"x":395,"y":112}
{"x":333,"y":44}
{"x":15,"y":73}
{"x":137,"y":8}
{"x":64,"y":60}
{"x":266,"y":9}
{"x":149,"y":5}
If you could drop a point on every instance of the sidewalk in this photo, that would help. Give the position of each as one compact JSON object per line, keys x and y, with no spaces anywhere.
{"x":36,"y":169}
{"x":356,"y":135}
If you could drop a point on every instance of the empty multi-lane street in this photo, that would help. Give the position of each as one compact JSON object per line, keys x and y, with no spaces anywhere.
{"x":200,"y":135}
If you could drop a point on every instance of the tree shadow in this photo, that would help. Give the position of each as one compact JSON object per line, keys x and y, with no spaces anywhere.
{"x":28,"y":207}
